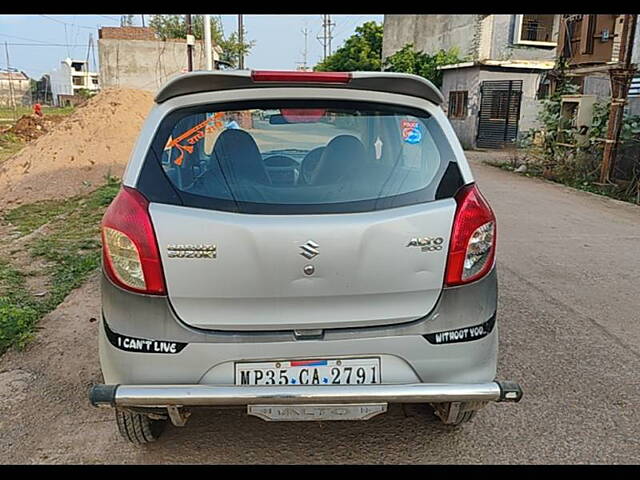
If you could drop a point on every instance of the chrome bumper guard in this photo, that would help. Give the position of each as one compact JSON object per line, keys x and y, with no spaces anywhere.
{"x":165,"y":396}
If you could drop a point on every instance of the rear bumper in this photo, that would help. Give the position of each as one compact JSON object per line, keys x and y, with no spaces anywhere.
{"x":163,"y":396}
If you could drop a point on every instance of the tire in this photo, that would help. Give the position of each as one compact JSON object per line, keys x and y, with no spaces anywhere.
{"x":137,"y":428}
{"x":461,"y":417}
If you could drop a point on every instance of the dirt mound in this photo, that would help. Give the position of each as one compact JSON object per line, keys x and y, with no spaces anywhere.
{"x":30,"y":127}
{"x":79,"y":153}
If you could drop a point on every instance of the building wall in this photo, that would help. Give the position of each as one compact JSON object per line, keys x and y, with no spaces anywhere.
{"x":470,"y":79}
{"x":503,"y":46}
{"x":127,"y":33}
{"x":21,"y":88}
{"x":477,"y":37}
{"x":464,"y":79}
{"x":431,"y":33}
{"x":61,"y":82}
{"x":144,"y":64}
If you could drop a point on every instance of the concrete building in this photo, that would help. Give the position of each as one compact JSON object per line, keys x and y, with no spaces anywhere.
{"x":492,"y":96}
{"x":133,"y":57}
{"x":590,"y":45}
{"x":71,"y":77}
{"x":15,"y":86}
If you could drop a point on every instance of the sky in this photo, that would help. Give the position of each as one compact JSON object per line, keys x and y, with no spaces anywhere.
{"x":52,"y":38}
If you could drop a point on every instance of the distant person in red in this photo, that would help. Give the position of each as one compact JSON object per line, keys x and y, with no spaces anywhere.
{"x":37,"y":109}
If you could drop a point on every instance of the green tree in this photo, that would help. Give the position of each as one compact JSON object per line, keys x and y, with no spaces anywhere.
{"x":175,"y":26}
{"x":362,"y":51}
{"x":408,"y":60}
{"x":231,"y":47}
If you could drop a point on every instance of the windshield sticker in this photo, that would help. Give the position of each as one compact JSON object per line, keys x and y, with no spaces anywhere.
{"x":411,"y":132}
{"x":194,"y":135}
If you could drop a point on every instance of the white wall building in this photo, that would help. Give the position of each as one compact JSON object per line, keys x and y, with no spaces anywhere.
{"x":70,"y":77}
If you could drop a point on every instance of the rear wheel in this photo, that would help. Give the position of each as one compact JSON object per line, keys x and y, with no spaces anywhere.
{"x":137,"y":428}
{"x":455,"y":413}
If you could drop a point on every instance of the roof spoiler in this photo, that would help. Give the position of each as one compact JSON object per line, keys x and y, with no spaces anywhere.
{"x":210,"y":81}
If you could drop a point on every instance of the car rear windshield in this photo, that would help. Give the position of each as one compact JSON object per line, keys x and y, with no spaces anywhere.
{"x":299,"y":157}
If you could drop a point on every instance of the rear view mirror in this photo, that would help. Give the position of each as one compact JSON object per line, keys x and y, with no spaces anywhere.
{"x":303,"y":115}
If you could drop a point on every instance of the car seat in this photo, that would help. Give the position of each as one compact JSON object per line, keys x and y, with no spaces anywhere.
{"x":339,"y":160}
{"x":237,"y":155}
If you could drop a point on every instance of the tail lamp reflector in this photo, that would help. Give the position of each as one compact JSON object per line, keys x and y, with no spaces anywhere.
{"x":473,"y":238}
{"x":129,"y":249}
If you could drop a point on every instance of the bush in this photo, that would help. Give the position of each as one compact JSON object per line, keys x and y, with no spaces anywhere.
{"x":562,"y":153}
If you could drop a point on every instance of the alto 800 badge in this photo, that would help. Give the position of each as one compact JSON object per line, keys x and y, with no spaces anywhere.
{"x":427,"y":244}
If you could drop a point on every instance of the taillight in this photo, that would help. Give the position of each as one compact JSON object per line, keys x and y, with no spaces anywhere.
{"x":129,"y":248}
{"x":473,"y":238}
{"x":297,"y":76}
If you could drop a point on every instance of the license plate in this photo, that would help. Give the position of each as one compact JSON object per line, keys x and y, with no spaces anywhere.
{"x":351,"y":371}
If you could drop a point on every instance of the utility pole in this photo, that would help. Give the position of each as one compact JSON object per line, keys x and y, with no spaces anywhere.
{"x":326,"y":37}
{"x":241,"y":42}
{"x":322,"y":39}
{"x":620,"y":82}
{"x":330,"y":26}
{"x":207,"y":42}
{"x":13,"y":101}
{"x":86,"y":73}
{"x":189,"y":45}
{"x":305,"y":32}
{"x":142,"y":20}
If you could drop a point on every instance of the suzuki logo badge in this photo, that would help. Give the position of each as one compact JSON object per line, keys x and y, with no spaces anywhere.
{"x":310,"y":249}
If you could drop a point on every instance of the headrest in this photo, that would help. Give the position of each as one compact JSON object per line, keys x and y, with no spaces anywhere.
{"x":340,"y":158}
{"x":238,"y":156}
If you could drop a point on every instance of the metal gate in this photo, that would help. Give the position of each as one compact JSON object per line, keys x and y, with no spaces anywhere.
{"x":499,"y":113}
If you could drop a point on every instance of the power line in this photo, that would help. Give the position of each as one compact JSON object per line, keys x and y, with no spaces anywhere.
{"x":349,"y":25}
{"x":22,"y":38}
{"x":67,"y":23}
{"x":47,"y":44}
{"x":115,"y":19}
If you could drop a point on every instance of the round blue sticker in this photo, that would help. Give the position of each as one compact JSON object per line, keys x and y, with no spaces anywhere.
{"x":411,"y":132}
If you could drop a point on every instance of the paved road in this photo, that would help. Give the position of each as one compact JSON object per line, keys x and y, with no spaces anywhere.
{"x":570,"y":333}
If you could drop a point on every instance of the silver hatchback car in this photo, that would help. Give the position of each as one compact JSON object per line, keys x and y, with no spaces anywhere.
{"x":309,"y":245}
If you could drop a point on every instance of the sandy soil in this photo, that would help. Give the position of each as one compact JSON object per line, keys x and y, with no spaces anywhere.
{"x":78,"y":153}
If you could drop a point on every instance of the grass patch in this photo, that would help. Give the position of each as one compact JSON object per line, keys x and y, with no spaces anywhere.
{"x":71,"y":247}
{"x":9,"y":145}
{"x":19,"y":312}
{"x":28,"y":218}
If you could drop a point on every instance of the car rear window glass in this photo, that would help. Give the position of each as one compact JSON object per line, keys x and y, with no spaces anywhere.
{"x":302,"y":156}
